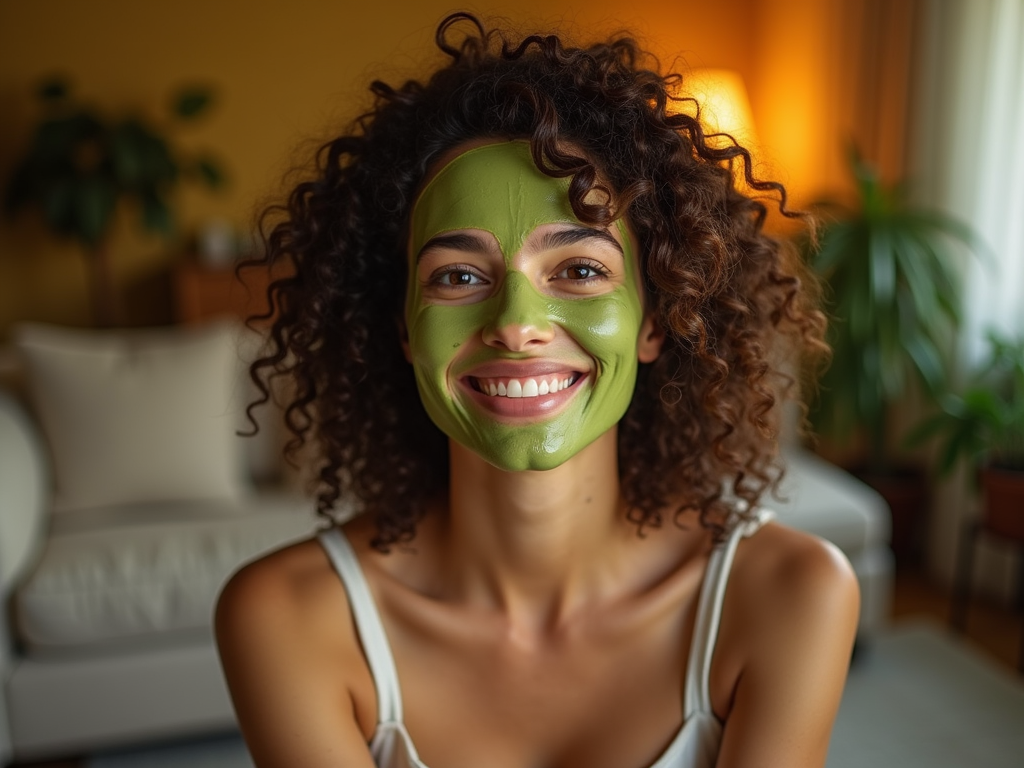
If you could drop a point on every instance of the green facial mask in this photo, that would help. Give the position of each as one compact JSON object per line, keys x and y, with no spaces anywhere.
{"x":497,"y":188}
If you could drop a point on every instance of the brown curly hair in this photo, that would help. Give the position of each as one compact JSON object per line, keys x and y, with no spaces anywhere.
{"x":703,"y":423}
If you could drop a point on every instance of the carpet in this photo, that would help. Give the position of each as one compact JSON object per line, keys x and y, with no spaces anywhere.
{"x":916,"y":697}
{"x":921,"y":697}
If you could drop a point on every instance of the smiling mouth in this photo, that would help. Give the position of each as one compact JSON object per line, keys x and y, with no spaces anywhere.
{"x":525,"y":387}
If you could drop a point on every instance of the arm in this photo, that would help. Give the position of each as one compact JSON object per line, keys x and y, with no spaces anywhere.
{"x":797,"y":604}
{"x":291,"y":659}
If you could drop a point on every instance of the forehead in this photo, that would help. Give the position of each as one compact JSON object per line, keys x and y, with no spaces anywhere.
{"x":496,"y":188}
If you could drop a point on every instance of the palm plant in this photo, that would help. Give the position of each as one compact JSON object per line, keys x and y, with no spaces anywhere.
{"x":81,"y":165}
{"x":891,"y":275}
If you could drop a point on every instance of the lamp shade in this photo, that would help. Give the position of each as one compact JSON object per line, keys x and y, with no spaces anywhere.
{"x":724,"y":106}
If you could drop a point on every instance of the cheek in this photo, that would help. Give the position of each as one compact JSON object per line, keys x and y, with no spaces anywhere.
{"x":606,"y":326}
{"x":436,"y":333}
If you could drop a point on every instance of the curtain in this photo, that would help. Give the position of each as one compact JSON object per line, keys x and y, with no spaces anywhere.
{"x":967,"y":150}
{"x":970,"y":149}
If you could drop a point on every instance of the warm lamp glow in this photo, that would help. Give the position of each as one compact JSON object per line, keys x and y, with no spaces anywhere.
{"x":724,"y":106}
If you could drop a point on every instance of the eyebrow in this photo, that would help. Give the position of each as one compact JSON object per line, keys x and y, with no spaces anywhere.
{"x":456,"y":241}
{"x":469,"y":243}
{"x":575,"y":234}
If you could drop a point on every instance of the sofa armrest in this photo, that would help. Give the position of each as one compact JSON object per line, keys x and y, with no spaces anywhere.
{"x":25,"y":493}
{"x":24,"y":505}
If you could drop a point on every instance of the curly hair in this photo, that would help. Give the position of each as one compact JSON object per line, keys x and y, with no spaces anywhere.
{"x":701,"y":430}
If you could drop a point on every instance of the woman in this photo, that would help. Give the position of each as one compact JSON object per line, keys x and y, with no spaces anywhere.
{"x":535,"y":331}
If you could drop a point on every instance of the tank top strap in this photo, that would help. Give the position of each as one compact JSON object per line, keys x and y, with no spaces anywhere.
{"x":368,"y":624}
{"x":697,"y":697}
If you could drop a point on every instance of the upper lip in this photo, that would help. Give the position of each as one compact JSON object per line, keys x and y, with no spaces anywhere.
{"x":518,"y":369}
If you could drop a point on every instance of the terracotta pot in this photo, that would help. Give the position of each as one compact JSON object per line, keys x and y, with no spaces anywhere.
{"x":1003,"y":491}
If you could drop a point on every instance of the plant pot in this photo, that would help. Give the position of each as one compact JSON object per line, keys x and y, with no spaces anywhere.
{"x":1003,"y":491}
{"x":905,"y":490}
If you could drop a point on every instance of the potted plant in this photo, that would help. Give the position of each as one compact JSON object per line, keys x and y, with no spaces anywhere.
{"x":985,"y":426}
{"x":81,"y":166}
{"x":890,"y":275}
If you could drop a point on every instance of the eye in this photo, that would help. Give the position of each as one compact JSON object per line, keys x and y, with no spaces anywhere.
{"x":582,"y":270}
{"x":456,"y":276}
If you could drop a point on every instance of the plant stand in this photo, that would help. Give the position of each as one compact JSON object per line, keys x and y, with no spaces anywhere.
{"x":965,"y":568}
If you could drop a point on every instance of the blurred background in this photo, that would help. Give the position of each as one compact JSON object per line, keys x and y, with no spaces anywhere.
{"x":929,"y":92}
{"x":284,"y":76}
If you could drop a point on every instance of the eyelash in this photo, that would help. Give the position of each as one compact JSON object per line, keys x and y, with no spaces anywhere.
{"x":600,"y":269}
{"x":438,"y":278}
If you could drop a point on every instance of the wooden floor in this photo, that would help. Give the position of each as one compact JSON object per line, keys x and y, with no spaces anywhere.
{"x":993,"y":629}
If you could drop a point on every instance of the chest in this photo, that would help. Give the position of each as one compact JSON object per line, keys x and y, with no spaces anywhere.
{"x":605,"y":695}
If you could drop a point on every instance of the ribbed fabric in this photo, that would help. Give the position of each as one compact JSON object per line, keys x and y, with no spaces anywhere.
{"x":696,"y":744}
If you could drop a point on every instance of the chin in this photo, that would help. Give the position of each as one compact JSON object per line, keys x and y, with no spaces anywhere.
{"x":533,"y":456}
{"x":533,"y":463}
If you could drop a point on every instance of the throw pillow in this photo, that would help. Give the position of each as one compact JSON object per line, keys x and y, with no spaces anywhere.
{"x":137,"y":415}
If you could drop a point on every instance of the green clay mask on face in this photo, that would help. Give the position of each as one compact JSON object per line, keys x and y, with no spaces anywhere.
{"x":587,"y":338}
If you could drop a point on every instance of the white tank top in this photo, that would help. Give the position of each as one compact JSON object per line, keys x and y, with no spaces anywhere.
{"x":696,"y":744}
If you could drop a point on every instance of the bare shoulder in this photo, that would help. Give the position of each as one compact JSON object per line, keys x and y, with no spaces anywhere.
{"x":286,"y":584}
{"x":784,"y":569}
{"x":292,"y":660}
{"x":788,"y":625}
{"x":791,"y":588}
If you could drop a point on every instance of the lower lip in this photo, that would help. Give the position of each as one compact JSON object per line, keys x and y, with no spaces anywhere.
{"x":523,"y":408}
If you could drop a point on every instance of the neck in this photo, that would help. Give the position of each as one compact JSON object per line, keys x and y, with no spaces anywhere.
{"x":536,"y":545}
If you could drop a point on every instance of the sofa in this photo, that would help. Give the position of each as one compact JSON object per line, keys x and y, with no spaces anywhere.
{"x":127,"y":499}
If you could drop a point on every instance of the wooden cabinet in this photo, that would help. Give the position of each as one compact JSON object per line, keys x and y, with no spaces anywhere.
{"x":204,"y":293}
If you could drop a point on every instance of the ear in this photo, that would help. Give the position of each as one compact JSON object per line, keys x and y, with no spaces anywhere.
{"x":650,"y":339}
{"x":403,"y":337}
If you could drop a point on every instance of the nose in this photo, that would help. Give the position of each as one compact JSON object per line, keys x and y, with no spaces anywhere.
{"x":520,"y":319}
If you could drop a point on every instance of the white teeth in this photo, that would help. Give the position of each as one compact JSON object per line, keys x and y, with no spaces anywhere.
{"x":519,"y":388}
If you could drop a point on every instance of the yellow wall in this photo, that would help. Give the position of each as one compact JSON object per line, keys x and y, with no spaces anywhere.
{"x":286,"y":73}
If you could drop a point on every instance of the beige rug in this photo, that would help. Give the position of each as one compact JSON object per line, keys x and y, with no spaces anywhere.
{"x":920,"y":697}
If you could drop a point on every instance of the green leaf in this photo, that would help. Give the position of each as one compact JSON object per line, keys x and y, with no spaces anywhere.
{"x":835,"y":245}
{"x":192,"y":102}
{"x":927,"y":361}
{"x":127,"y":152}
{"x":210,"y":172}
{"x":882,"y":265}
{"x":983,"y":405}
{"x":94,"y":201}
{"x":156,"y":215}
{"x":911,"y":262}
{"x":59,"y":209}
{"x":53,"y":89}
{"x":56,"y":140}
{"x":859,"y":310}
{"x":937,"y":221}
{"x":953,"y":449}
{"x":926,"y":430}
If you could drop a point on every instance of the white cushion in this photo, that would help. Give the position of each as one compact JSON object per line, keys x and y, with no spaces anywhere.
{"x":117,"y":574}
{"x":137,"y":415}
